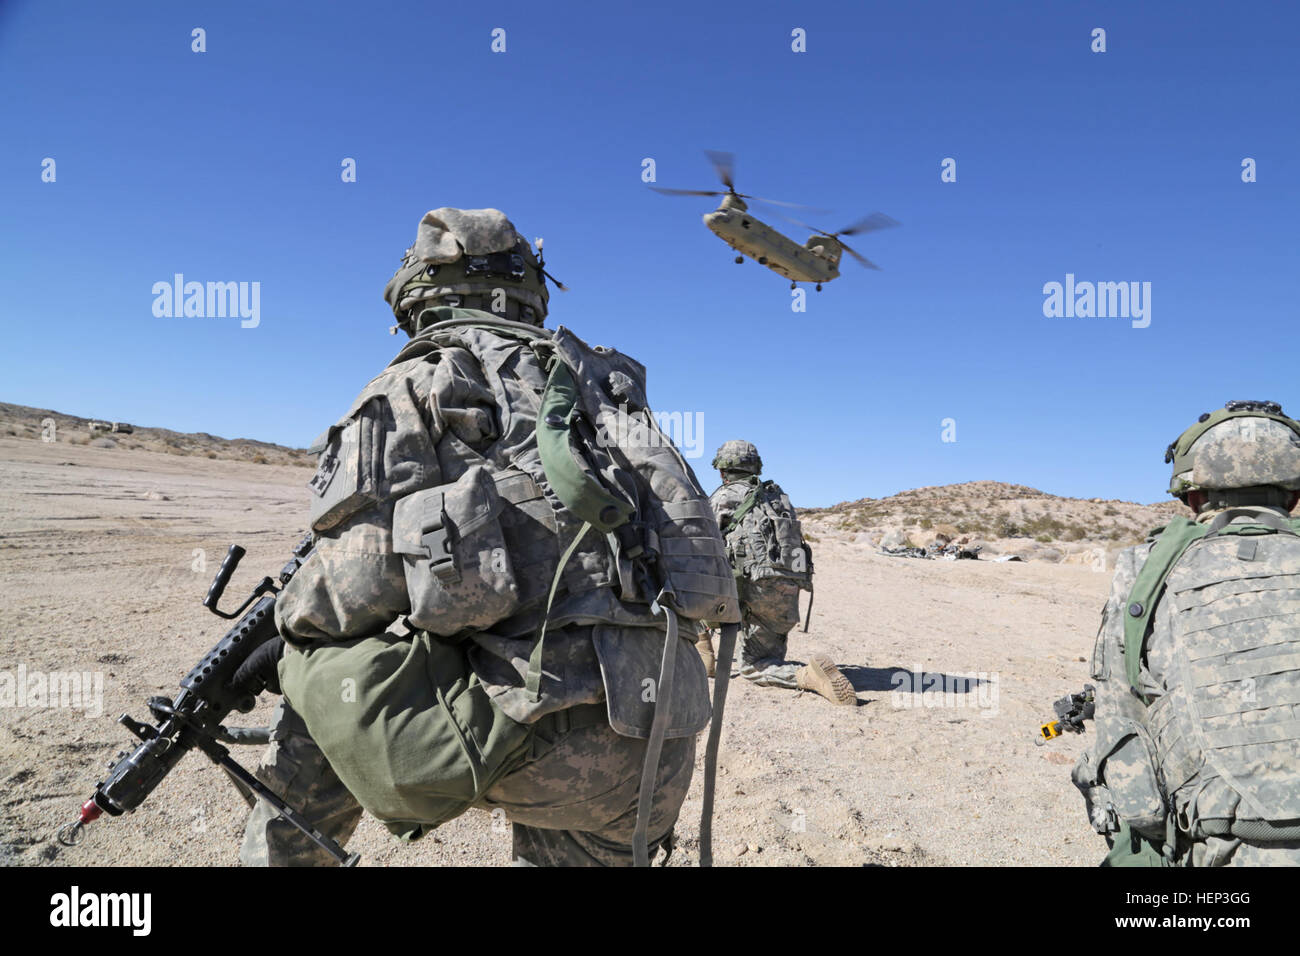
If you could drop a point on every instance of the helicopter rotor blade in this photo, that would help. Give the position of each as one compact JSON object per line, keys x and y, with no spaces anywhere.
{"x":808,"y":226}
{"x":859,"y":256}
{"x":777,"y":202}
{"x":724,"y":164}
{"x":877,"y":220}
{"x":687,"y":192}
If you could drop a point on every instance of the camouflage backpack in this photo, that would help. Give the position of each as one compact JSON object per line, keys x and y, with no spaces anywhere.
{"x":581,"y":511}
{"x":764,"y":538}
{"x":1231,"y":593}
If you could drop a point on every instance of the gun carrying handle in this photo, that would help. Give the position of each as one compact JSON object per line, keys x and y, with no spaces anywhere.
{"x":228,"y":565}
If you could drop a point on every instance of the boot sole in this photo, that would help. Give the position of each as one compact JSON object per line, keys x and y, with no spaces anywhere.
{"x":830,"y":683}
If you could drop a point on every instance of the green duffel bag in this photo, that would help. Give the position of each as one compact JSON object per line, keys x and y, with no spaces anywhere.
{"x":1132,"y":849}
{"x":405,"y":724}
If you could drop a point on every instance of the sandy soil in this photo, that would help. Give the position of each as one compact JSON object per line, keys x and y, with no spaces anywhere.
{"x":100,"y":572}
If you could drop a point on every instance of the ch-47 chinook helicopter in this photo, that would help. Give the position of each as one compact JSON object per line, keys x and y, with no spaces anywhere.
{"x":817,"y":260}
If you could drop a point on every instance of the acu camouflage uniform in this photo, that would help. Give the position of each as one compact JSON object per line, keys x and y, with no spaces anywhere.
{"x":570,"y":789}
{"x":1200,"y":764}
{"x":769,"y":603}
{"x":770,"y":608}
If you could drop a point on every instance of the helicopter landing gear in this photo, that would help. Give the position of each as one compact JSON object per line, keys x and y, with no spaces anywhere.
{"x":739,"y":259}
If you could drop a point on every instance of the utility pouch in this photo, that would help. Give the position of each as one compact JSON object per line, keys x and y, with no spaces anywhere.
{"x":1127,"y":764}
{"x":458,"y":569}
{"x":349,"y":472}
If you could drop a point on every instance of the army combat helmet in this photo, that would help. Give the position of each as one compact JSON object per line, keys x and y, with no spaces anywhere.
{"x":1247,"y":452}
{"x":471,"y":258}
{"x":736,"y":455}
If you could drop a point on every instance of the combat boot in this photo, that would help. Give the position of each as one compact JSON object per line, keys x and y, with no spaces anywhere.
{"x":705,"y":646}
{"x":822,"y":676}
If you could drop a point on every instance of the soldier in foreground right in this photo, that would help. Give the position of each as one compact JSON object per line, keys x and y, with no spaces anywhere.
{"x":1196,"y":761}
{"x":772,"y":564}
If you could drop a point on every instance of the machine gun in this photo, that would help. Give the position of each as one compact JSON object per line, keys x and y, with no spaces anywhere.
{"x":192,"y":721}
{"x":1071,"y":711}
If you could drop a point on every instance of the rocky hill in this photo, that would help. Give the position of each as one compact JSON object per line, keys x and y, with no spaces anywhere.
{"x":20,"y":421}
{"x":1003,"y":518}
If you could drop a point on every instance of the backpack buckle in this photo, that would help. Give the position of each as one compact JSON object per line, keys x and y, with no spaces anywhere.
{"x":631,"y":538}
{"x":437,"y":541}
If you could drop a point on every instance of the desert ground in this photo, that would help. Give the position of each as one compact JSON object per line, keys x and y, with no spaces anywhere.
{"x":106,"y":552}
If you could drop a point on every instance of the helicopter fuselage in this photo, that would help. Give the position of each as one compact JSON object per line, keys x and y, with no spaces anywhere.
{"x":817,"y":260}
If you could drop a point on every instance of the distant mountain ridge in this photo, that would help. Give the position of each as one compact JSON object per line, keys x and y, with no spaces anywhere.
{"x":1005,"y":517}
{"x":22,"y":421}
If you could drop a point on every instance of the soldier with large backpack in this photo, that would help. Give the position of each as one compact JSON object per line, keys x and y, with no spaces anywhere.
{"x":1197,"y":665}
{"x":499,"y":607}
{"x":772,"y":563}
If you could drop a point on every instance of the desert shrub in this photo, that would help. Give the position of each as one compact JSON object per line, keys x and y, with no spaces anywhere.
{"x":1005,"y":527}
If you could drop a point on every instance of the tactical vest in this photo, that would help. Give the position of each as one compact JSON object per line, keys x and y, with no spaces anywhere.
{"x":764,"y":538}
{"x":580,"y":510}
{"x":583,"y":502}
{"x":1231,"y":594}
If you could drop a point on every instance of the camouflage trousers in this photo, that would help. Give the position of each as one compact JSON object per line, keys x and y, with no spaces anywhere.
{"x":1218,"y":852}
{"x":572,"y":803}
{"x":769,"y":609}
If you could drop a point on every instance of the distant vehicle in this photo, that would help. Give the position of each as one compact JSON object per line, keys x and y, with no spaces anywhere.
{"x":817,"y":260}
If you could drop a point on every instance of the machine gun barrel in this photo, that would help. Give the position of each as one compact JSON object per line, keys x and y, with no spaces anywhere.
{"x":193,"y":719}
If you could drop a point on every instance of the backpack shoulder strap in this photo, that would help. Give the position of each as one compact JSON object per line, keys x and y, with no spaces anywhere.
{"x":744,"y":508}
{"x":1173,"y":540}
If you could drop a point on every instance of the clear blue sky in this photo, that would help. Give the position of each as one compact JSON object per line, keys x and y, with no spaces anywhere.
{"x":1119,"y":166}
